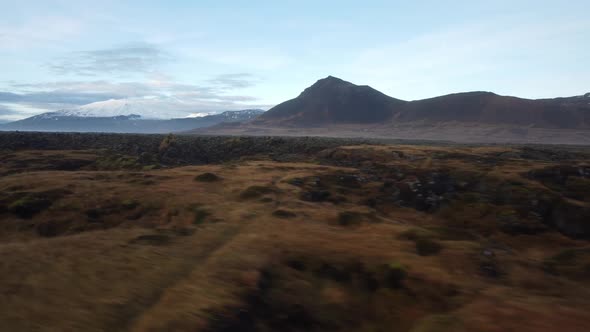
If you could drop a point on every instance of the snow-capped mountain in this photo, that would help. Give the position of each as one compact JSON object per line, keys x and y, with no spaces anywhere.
{"x":147,"y":108}
{"x":144,"y":107}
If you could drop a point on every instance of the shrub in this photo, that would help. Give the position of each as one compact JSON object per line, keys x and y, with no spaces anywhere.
{"x":129,"y":204}
{"x":166,"y":143}
{"x":28,"y":206}
{"x":151,"y":239}
{"x":255,"y":192}
{"x":200,"y":216}
{"x":116,"y":162}
{"x":394,"y":274}
{"x":571,"y":262}
{"x":348,"y":218}
{"x":414,"y":234}
{"x":427,"y":247}
{"x":284,"y":214}
{"x":207,"y":177}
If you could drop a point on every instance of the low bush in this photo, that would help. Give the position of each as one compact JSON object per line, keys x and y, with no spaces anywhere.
{"x":207,"y":177}
{"x":348,"y":218}
{"x":255,"y":192}
{"x":427,"y":247}
{"x":29,"y":205}
{"x":284,"y":214}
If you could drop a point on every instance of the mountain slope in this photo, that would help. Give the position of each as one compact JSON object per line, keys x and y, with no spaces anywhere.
{"x":490,"y":108}
{"x":332,"y":101}
{"x":132,"y":123}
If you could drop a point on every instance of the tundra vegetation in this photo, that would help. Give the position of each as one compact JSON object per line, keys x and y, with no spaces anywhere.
{"x":175,"y":233}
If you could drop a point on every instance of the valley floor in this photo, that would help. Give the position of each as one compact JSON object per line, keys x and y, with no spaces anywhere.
{"x":469,"y":133}
{"x":370,"y":237}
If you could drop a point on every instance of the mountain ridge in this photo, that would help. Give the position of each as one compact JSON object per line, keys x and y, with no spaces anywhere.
{"x":131,"y":123}
{"x":332,"y":101}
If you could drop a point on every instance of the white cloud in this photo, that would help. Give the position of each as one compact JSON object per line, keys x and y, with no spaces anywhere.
{"x":39,"y":31}
{"x":160,"y":96}
{"x":132,"y":58}
{"x":253,"y":58}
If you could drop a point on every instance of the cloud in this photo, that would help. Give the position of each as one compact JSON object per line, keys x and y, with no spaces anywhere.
{"x":4,"y":111}
{"x":160,"y":92}
{"x":38,"y":31}
{"x":16,"y":111}
{"x":234,"y":81}
{"x":135,"y":58}
{"x":252,"y":58}
{"x":56,"y":97}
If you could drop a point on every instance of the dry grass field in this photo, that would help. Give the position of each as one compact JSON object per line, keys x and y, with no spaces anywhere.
{"x":353,"y":238}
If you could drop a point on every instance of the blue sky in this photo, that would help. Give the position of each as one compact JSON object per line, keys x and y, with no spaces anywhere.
{"x":207,"y":56}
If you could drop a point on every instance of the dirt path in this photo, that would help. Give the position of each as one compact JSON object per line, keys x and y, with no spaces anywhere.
{"x":152,"y":303}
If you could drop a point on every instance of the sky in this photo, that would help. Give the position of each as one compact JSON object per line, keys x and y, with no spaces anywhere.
{"x":197,"y":57}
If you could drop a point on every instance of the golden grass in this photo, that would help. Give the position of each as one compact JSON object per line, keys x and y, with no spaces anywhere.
{"x":95,"y":276}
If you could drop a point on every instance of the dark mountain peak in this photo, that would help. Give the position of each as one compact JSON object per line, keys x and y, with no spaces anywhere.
{"x":333,"y":80}
{"x":587,"y":95}
{"x":329,"y":84}
{"x":332,"y":100}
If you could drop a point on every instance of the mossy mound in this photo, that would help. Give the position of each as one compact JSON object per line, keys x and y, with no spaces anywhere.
{"x":207,"y":177}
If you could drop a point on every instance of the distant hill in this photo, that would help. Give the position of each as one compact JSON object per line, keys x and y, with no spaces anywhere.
{"x":490,"y":108}
{"x":336,"y":108}
{"x":132,"y":123}
{"x":333,"y":101}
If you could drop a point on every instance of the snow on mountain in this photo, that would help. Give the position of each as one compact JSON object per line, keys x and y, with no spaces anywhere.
{"x":145,"y":107}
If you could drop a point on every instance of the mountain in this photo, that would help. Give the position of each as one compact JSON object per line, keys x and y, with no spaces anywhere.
{"x":336,"y":108}
{"x":147,"y":108}
{"x":76,"y":121}
{"x":493,"y":109}
{"x":332,"y":101}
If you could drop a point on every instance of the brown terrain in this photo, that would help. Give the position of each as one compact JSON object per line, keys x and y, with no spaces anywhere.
{"x":336,"y":108}
{"x":166,"y":233}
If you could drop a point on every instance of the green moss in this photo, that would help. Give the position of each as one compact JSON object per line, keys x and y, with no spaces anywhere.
{"x":116,"y":162}
{"x":414,"y":234}
{"x":149,"y":167}
{"x":28,"y":206}
{"x":394,"y":274}
{"x":506,"y":214}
